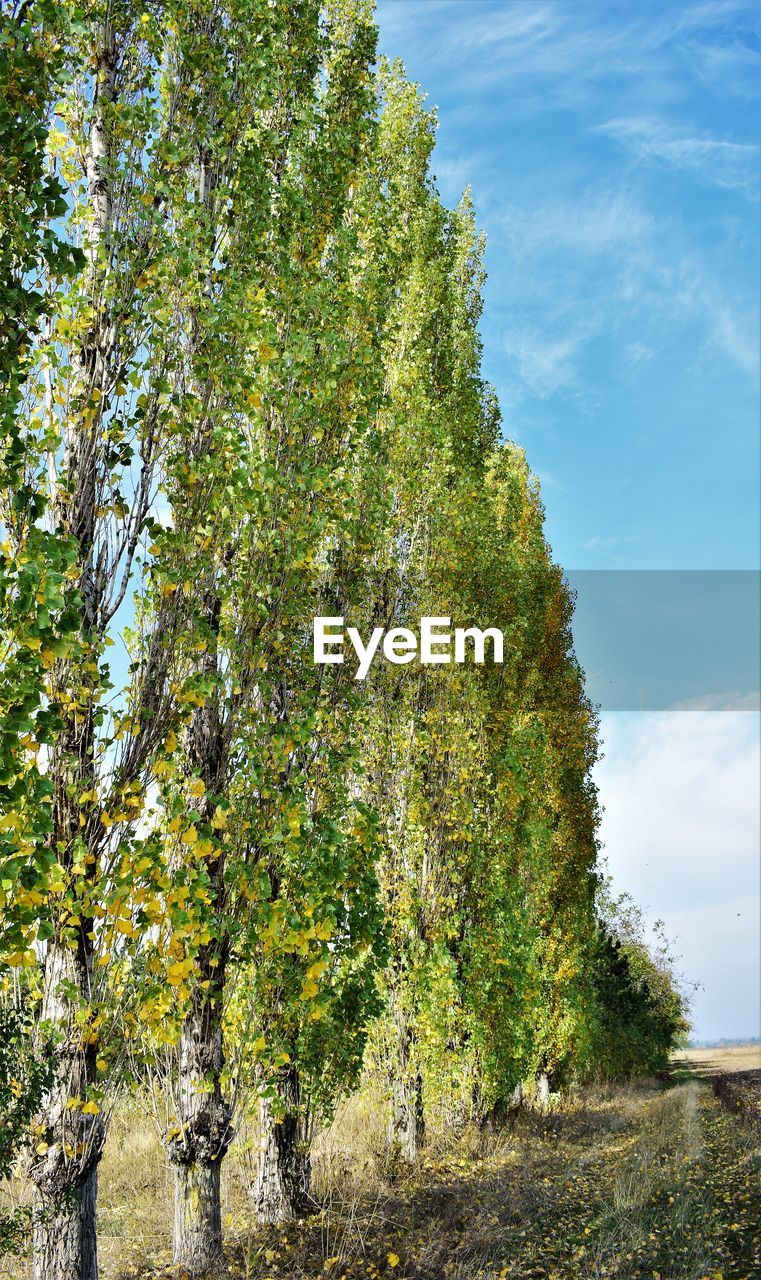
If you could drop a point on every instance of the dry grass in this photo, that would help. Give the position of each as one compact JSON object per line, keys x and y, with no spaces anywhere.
{"x":708,"y":1062}
{"x":735,"y":1072}
{"x":621,"y":1183}
{"x":740,"y":1093}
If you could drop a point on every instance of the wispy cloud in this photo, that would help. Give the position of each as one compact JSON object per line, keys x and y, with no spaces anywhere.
{"x":601,"y":265}
{"x":569,"y":263}
{"x":724,"y":57}
{"x":594,"y":222}
{"x":712,"y":160}
{"x":610,"y":545}
{"x":638,"y":353}
{"x":544,"y":362}
{"x":572,"y":48}
{"x":737,"y":701}
{"x":610,"y":159}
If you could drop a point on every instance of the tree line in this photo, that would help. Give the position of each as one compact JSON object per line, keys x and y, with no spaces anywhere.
{"x":241,"y":387}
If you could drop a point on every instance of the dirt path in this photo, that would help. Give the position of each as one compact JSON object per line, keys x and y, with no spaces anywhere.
{"x":659,"y":1185}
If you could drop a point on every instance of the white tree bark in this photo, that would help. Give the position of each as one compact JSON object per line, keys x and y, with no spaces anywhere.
{"x":283,"y":1175}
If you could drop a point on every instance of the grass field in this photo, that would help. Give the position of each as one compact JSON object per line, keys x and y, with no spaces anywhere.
{"x":632,"y":1182}
{"x":709,"y":1062}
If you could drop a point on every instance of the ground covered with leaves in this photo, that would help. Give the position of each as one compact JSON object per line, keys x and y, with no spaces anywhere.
{"x":647,"y":1182}
{"x":653,"y":1181}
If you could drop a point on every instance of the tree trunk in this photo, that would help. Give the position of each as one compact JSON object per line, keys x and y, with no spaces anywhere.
{"x":407,"y":1115}
{"x":408,"y":1118}
{"x":197,"y":1216}
{"x":284,"y":1172}
{"x":198,"y":1142}
{"x":64,"y":1167}
{"x":64,"y":1239}
{"x":542,"y":1090}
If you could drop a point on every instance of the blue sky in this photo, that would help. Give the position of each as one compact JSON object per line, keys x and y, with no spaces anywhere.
{"x":613,"y":153}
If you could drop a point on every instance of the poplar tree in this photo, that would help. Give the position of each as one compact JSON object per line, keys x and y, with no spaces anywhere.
{"x":34,"y":593}
{"x":35,"y":602}
{"x":540,"y":837}
{"x":482,"y":774}
{"x":94,"y":418}
{"x":440,"y":419}
{"x":260,"y":853}
{"x":641,"y":1006}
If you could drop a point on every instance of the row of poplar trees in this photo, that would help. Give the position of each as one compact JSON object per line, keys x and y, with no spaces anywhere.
{"x":241,"y":387}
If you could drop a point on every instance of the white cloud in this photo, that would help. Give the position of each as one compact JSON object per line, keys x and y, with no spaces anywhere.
{"x":600,"y":264}
{"x":713,"y":160}
{"x":731,"y":701}
{"x":570,"y":263}
{"x":638,"y":353}
{"x":580,"y":259}
{"x":734,"y":333}
{"x":612,"y":544}
{"x":728,"y":67}
{"x":681,"y":834}
{"x":596,"y":222}
{"x":519,"y":27}
{"x":546,"y":363}
{"x":572,"y":49}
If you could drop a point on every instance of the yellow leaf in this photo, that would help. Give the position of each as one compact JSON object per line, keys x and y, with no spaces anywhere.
{"x":393,"y":1259}
{"x":90,"y":1109}
{"x":178,"y":972}
{"x":196,"y":788}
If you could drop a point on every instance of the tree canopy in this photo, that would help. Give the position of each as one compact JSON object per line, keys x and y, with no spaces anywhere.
{"x":241,"y":387}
